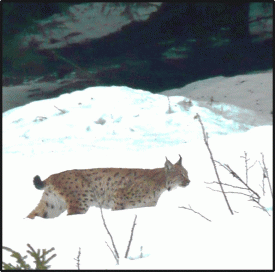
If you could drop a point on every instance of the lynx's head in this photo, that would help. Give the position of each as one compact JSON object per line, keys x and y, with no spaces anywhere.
{"x":176,"y":175}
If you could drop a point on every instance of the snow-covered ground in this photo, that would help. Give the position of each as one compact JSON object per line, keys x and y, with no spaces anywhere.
{"x":121,"y":127}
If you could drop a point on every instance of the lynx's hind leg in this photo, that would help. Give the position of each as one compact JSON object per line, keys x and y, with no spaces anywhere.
{"x":51,"y":205}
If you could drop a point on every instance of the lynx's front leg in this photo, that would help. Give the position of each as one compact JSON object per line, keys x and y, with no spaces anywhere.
{"x":129,"y":198}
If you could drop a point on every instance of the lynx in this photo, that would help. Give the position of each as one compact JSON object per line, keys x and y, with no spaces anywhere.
{"x":109,"y":188}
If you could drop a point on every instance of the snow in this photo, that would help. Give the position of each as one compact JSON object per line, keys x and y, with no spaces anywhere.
{"x":127,"y":128}
{"x":250,"y":91}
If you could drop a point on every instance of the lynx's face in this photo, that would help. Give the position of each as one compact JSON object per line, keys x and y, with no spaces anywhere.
{"x":176,"y":175}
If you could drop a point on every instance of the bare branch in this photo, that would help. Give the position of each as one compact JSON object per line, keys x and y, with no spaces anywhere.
{"x":262,"y":187}
{"x":227,"y":167}
{"x":78,"y":259}
{"x":117,"y":260}
{"x":169,"y":111}
{"x":255,"y":196}
{"x":230,"y":171}
{"x":249,"y":188}
{"x":226,"y":185}
{"x":62,"y":111}
{"x":265,"y":174}
{"x":246,"y":167}
{"x":229,"y":192}
{"x":205,"y":137}
{"x":131,"y":238}
{"x":195,"y":212}
{"x":261,"y":206}
{"x":252,"y":165}
{"x":141,"y":255}
{"x":117,"y":256}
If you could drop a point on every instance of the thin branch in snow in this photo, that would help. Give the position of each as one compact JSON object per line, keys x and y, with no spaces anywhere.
{"x":117,"y":256}
{"x":205,"y":137}
{"x":117,"y":260}
{"x":246,"y":166}
{"x":211,"y":101}
{"x":227,"y":167}
{"x":141,"y":254}
{"x":131,"y":238}
{"x":169,"y":111}
{"x":263,"y":186}
{"x":265,"y":174}
{"x":260,"y":205}
{"x":254,"y":195}
{"x":62,"y":111}
{"x":235,"y":175}
{"x":78,"y":259}
{"x":229,"y":192}
{"x":225,"y":184}
{"x":195,"y":212}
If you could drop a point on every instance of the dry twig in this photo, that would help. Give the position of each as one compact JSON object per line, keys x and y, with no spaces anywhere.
{"x":169,"y":111}
{"x":62,"y":111}
{"x":116,"y":256}
{"x":195,"y":212}
{"x":117,"y":260}
{"x":246,"y":167}
{"x":116,"y":253}
{"x":259,"y":204}
{"x":78,"y":259}
{"x":263,"y":186}
{"x":205,"y":137}
{"x":141,"y":254}
{"x":234,"y":174}
{"x":131,"y":238}
{"x":225,"y":184}
{"x":254,"y":195}
{"x":265,"y":174}
{"x":229,"y":192}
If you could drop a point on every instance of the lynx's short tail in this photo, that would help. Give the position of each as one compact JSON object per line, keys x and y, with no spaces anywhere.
{"x":38,"y":183}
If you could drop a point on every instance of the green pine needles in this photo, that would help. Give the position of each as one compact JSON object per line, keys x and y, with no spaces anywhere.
{"x":39,"y":259}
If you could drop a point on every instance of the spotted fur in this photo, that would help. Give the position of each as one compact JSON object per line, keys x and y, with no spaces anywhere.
{"x":110,"y":188}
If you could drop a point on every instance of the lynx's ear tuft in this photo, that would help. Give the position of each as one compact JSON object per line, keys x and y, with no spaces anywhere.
{"x":168,"y":165}
{"x":179,"y":161}
{"x":38,"y":183}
